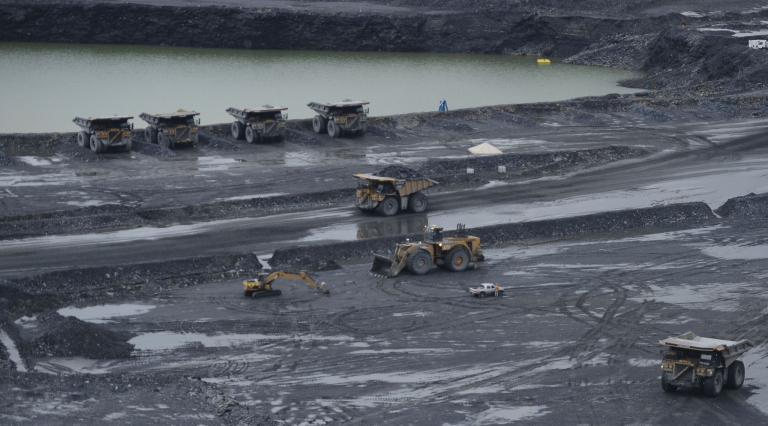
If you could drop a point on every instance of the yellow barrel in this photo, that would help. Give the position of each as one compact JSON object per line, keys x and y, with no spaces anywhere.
{"x":543,"y":61}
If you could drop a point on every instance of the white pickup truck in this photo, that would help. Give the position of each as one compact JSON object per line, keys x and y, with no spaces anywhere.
{"x":485,"y":289}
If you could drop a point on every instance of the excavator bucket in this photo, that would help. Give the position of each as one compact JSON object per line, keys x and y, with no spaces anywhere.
{"x":384,"y":267}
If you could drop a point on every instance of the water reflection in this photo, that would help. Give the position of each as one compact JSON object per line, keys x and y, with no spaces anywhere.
{"x":396,"y":225}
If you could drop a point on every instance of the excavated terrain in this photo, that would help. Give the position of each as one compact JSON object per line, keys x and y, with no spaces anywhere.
{"x":620,"y":220}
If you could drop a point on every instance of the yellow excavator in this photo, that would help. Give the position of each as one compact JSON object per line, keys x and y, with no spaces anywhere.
{"x":262,"y":284}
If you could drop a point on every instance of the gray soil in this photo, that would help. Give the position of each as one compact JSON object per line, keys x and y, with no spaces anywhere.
{"x":620,"y":220}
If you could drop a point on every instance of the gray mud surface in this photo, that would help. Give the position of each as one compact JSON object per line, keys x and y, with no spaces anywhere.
{"x":620,"y":220}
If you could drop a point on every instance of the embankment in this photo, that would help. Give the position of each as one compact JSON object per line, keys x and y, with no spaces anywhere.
{"x":751,"y":206}
{"x":478,"y":31}
{"x":673,"y":215}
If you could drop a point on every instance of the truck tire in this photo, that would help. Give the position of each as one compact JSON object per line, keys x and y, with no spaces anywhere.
{"x":482,"y":294}
{"x":333,"y":129}
{"x":419,"y":262}
{"x":735,"y":375}
{"x":319,"y":124}
{"x":96,"y":145}
{"x":238,"y":130}
{"x":714,"y":384}
{"x":665,"y":384}
{"x":83,"y":139}
{"x":417,"y":203}
{"x":251,"y":136}
{"x":457,"y":259}
{"x":388,"y":207}
{"x":128,"y":145}
{"x":150,"y":135}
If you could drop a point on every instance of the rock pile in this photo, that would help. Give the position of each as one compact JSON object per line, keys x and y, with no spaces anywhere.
{"x":56,"y":335}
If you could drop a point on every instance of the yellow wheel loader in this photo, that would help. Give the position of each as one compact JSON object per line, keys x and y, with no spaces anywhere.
{"x":453,"y":253}
{"x":262,"y":284}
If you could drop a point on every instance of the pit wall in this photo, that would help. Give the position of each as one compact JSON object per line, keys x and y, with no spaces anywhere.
{"x":252,"y":28}
{"x":673,"y":215}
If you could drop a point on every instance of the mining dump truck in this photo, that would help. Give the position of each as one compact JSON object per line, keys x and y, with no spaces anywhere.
{"x":255,"y":125}
{"x":693,"y":361}
{"x":387,"y":196}
{"x":262,"y":284}
{"x":452,"y":253}
{"x":345,"y":117}
{"x":100,"y":133}
{"x":171,"y":129}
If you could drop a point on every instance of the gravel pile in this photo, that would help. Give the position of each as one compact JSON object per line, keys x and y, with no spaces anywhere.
{"x":56,"y":335}
{"x":674,"y":215}
{"x":453,"y":126}
{"x":210,"y":142}
{"x":135,"y":278}
{"x":751,"y":206}
{"x":222,"y":405}
{"x":108,"y":216}
{"x":720,"y":108}
{"x":152,"y":150}
{"x":116,"y":217}
{"x":6,"y":160}
{"x":381,"y":132}
{"x":301,"y":138}
{"x":399,"y":172}
{"x":648,"y":112}
{"x":512,"y":119}
{"x":526,"y":164}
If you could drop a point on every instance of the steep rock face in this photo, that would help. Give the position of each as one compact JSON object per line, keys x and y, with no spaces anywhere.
{"x":233,"y":27}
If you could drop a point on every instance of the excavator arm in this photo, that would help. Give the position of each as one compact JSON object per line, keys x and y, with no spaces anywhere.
{"x":300,"y":276}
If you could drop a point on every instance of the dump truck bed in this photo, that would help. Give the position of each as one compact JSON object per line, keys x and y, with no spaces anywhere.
{"x":244,"y":113}
{"x":728,"y":348}
{"x":404,"y":186}
{"x":346,"y":103}
{"x":156,"y":118}
{"x":91,"y":121}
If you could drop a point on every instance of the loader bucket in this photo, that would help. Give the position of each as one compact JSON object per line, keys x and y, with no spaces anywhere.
{"x":383,"y":267}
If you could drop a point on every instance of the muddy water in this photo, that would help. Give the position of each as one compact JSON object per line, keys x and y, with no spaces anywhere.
{"x":44,"y":86}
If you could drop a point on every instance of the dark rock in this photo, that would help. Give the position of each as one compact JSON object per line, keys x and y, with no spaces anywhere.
{"x":381,"y":132}
{"x":302,"y":138}
{"x":399,"y":172}
{"x":648,"y":112}
{"x":512,"y":119}
{"x":524,"y":164}
{"x":751,"y":206}
{"x":56,"y":335}
{"x":453,"y":126}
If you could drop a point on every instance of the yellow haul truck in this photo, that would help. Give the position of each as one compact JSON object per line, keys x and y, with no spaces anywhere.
{"x":100,"y":133}
{"x":387,"y":196}
{"x":171,"y":129}
{"x":711,"y":364}
{"x":340,"y":118}
{"x":255,"y":125}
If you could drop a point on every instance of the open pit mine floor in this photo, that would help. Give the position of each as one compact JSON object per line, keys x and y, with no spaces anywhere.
{"x":121,"y":275}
